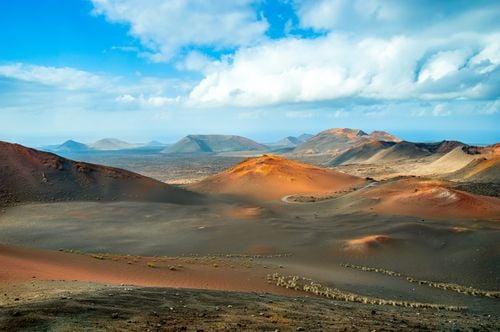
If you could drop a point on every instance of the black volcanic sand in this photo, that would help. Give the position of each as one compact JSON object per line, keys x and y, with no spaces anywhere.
{"x":465,"y":252}
{"x":160,"y":309}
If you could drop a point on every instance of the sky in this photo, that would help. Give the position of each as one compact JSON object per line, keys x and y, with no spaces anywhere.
{"x":143,"y":70}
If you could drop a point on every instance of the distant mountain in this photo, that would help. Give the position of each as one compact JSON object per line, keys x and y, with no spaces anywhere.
{"x":288,"y":141}
{"x":29,"y":175}
{"x":110,"y":144}
{"x":71,"y":146}
{"x":383,"y":136}
{"x":305,"y":137}
{"x":214,"y":144}
{"x":153,"y":144}
{"x":292,"y":141}
{"x":338,"y":140}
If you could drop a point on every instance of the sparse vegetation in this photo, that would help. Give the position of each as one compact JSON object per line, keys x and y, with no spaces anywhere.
{"x":442,"y":285}
{"x":372,"y":269}
{"x":310,"y":286}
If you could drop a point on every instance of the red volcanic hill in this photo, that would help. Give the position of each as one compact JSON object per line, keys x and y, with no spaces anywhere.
{"x":430,"y":198}
{"x":338,"y":140}
{"x":270,"y":177}
{"x":29,"y":175}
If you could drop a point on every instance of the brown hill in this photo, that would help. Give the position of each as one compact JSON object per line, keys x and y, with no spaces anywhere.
{"x":490,"y":150}
{"x":399,"y":151}
{"x":480,"y":170}
{"x":29,"y":175}
{"x":361,"y":153}
{"x":338,"y":140}
{"x":383,"y":136}
{"x":449,"y":162}
{"x":270,"y":177}
{"x":430,"y":198}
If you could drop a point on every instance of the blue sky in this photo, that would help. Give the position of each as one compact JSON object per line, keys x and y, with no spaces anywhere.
{"x":160,"y":69}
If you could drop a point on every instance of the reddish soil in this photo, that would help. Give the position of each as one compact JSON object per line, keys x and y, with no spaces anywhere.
{"x":270,"y":178}
{"x":431,"y":198}
{"x":21,"y":264}
{"x":29,"y":175}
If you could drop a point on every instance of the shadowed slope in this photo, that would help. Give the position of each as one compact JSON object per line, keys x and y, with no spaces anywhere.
{"x":450,"y":162}
{"x":272,"y":177}
{"x":360,"y":154}
{"x":479,"y":170}
{"x":29,"y":175}
{"x":400,"y":151}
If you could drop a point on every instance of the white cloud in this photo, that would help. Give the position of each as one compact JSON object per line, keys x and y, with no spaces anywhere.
{"x":61,"y":77}
{"x":151,"y":101}
{"x":165,"y":27}
{"x":491,"y":108}
{"x":126,"y":98}
{"x":440,"y":110}
{"x":442,"y":64}
{"x":338,"y":114}
{"x":196,"y":61}
{"x":419,"y":112}
{"x":384,"y":17}
{"x":342,"y":66}
{"x":159,"y":101}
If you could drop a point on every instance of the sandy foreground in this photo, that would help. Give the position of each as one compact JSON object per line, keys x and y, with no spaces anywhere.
{"x":50,"y":290}
{"x":22,"y":265}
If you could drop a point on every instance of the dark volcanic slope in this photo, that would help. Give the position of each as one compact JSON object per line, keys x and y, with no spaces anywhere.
{"x":402,"y":150}
{"x":29,"y":175}
{"x":361,"y":153}
{"x":214,"y":143}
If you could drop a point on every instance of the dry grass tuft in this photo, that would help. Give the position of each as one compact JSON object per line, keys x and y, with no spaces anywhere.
{"x":308,"y":285}
{"x":442,"y":285}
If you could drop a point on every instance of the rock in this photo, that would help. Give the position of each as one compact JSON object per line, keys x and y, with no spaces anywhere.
{"x":114,"y":315}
